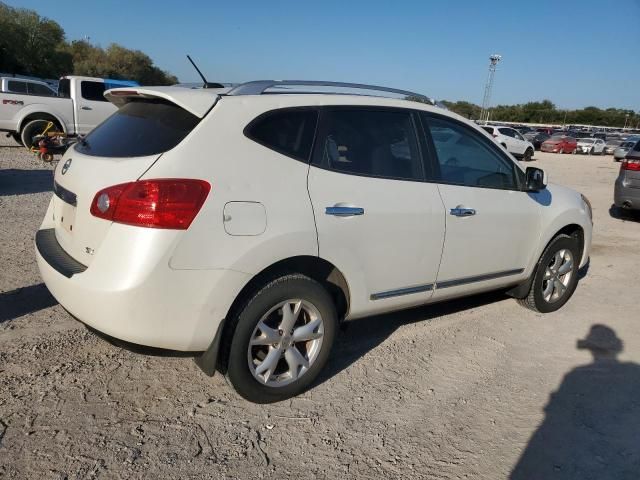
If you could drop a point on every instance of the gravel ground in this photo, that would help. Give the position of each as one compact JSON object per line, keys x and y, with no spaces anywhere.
{"x":457,"y":390}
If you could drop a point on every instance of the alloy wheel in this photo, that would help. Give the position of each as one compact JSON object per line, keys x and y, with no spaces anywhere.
{"x":285,"y":343}
{"x":557,"y":276}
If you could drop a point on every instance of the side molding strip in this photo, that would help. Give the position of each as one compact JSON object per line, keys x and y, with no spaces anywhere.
{"x":446,"y":284}
{"x":402,"y":291}
{"x":478,"y":278}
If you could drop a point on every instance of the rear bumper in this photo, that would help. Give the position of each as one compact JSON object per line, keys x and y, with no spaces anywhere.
{"x":150,"y":304}
{"x":626,"y":196}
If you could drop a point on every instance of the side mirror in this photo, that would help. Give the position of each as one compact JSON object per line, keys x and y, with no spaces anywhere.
{"x":535,"y":179}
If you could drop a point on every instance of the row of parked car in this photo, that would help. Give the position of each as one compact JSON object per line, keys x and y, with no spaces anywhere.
{"x":522,"y":142}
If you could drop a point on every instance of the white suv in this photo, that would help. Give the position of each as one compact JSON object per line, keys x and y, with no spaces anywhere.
{"x":247,"y":223}
{"x":512,"y":141}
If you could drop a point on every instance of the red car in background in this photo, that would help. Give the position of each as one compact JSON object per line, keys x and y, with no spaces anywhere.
{"x":559,"y":144}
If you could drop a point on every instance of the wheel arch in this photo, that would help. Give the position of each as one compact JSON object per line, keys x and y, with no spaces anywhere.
{"x":316,"y":268}
{"x":41,"y":116}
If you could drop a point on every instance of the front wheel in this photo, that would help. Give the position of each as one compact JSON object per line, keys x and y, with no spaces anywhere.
{"x":282,"y":339}
{"x":556,"y":276}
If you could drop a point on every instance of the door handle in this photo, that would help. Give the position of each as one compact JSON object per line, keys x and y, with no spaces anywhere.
{"x":85,"y":108}
{"x":461,"y":211}
{"x":344,"y":211}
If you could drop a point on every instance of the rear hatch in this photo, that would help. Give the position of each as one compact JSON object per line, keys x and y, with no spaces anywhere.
{"x":148,"y":123}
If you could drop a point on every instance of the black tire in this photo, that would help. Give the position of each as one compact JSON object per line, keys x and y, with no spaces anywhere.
{"x":534,"y":299}
{"x":16,"y":137}
{"x":528,"y":155}
{"x":31,"y":129}
{"x":293,"y":286}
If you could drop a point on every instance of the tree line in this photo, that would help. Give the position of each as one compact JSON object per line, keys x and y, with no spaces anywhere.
{"x":37,"y":46}
{"x":546,"y":112}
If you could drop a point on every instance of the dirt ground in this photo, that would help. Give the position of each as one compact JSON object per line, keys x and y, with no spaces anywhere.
{"x":452,"y":391}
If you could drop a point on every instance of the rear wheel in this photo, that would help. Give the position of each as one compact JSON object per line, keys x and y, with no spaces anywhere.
{"x":31,"y":129}
{"x":556,"y":276}
{"x":282,"y":339}
{"x":528,"y":155}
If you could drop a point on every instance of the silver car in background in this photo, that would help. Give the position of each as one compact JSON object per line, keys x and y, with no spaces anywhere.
{"x":611,"y":146}
{"x":627,"y":189}
{"x":620,"y":152}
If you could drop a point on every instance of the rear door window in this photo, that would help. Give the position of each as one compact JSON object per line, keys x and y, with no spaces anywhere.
{"x":376,"y":143}
{"x":288,"y":131}
{"x":17,"y":87}
{"x":93,"y":91}
{"x":139,"y":128}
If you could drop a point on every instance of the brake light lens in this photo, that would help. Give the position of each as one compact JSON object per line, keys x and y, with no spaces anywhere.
{"x":165,"y":203}
{"x":629,"y":164}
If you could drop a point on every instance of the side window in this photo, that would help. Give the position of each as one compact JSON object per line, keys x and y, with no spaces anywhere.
{"x":506,"y":131}
{"x":637,"y":147}
{"x":17,"y":87}
{"x":378,"y":143}
{"x":466,"y":158}
{"x":289,"y":132}
{"x":517,"y":135}
{"x":37,"y":89}
{"x":92,"y":91}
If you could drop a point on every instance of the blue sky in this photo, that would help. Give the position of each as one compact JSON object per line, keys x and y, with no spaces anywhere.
{"x":576,"y":53}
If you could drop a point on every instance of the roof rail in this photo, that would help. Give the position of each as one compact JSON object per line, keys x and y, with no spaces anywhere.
{"x":259,"y":87}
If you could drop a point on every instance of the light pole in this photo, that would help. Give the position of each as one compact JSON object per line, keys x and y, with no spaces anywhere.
{"x":626,"y":119}
{"x":486,"y":101}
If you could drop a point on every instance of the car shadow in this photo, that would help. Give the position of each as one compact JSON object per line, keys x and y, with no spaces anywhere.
{"x":25,"y":300}
{"x":363,"y":335}
{"x":591,"y":427}
{"x":626,"y":215}
{"x":22,"y":182}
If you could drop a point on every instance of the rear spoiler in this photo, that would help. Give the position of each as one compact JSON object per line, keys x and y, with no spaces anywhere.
{"x":198,"y":102}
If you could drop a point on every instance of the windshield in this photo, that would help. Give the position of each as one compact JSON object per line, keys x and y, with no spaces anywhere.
{"x":139,"y":128}
{"x":586,"y":140}
{"x":628,"y":144}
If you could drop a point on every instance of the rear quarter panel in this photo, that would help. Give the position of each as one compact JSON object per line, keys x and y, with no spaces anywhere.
{"x":240,"y":170}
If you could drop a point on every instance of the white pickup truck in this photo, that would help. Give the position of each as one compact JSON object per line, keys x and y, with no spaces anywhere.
{"x":79,"y":106}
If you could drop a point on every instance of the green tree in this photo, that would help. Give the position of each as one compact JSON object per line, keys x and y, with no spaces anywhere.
{"x":31,"y":44}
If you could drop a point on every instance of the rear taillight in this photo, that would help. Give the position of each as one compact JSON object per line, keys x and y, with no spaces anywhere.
{"x":629,"y":164}
{"x":165,"y":203}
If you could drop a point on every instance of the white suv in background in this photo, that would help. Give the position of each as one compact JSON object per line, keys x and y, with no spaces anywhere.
{"x":509,"y":138}
{"x":246,"y":223}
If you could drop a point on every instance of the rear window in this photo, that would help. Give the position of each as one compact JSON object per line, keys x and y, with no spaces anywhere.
{"x":17,"y":87}
{"x":289,"y":131}
{"x":37,"y":89}
{"x":139,"y":128}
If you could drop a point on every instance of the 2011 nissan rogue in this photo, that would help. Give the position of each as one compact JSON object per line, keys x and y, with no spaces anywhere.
{"x":248,"y":222}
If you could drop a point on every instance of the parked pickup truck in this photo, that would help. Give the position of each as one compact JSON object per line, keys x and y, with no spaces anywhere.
{"x":79,"y":106}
